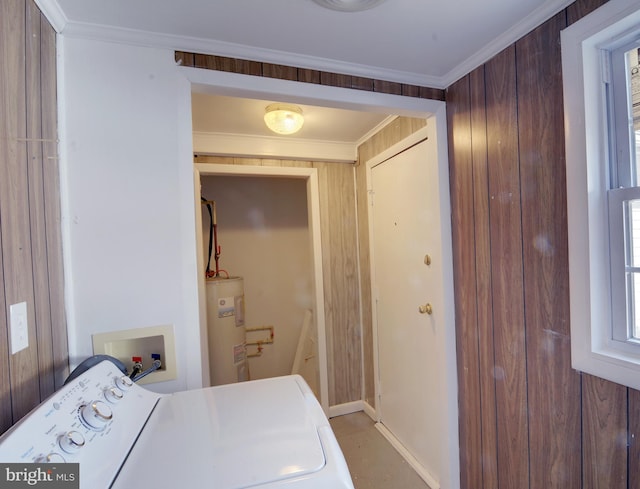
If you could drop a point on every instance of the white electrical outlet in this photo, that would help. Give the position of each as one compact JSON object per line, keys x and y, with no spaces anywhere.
{"x":18,"y":327}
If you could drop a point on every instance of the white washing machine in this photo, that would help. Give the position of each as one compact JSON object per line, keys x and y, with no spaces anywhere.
{"x":266,"y":434}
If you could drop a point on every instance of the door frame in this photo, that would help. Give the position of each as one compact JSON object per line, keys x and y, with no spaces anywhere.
{"x":378,"y":159}
{"x":450,"y":476}
{"x":239,"y":85}
{"x":310,"y":175}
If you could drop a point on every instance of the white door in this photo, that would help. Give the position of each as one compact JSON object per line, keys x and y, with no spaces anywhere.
{"x":414,"y":348}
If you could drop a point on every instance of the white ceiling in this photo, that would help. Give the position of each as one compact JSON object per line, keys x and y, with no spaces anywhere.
{"x":220,"y":114}
{"x":418,"y":42}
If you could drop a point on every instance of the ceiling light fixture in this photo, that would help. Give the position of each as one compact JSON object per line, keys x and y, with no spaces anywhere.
{"x":349,"y":5}
{"x":283,"y":118}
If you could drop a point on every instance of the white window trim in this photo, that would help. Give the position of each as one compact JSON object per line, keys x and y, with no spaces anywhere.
{"x":592,"y":349}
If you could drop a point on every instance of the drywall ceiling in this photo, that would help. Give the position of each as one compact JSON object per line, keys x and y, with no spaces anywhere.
{"x":418,"y":42}
{"x":220,"y":114}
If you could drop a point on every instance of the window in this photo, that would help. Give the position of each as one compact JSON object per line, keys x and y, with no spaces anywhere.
{"x":602,"y":128}
{"x":622,"y":90}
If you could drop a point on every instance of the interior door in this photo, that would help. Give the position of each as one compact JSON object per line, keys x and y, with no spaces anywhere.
{"x":408,"y":266}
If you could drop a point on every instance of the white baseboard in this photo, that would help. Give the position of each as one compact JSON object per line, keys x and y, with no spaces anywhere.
{"x":411,"y":460}
{"x":370,"y":411}
{"x":346,"y":408}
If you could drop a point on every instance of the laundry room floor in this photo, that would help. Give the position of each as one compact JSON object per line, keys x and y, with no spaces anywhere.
{"x":372,"y":461}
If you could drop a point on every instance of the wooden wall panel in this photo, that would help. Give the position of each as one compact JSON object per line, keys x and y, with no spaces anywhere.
{"x":340,"y":270}
{"x":580,"y":8}
{"x":34,"y":166}
{"x":14,"y":202}
{"x":483,"y":268}
{"x":256,"y":68}
{"x":391,"y":134}
{"x":51,"y":201}
{"x":342,"y":298}
{"x":506,"y":270}
{"x":29,"y":197}
{"x":634,"y":438}
{"x":468,"y":361}
{"x":6,"y":417}
{"x":553,"y":413}
{"x":604,"y":432}
{"x":366,"y":306}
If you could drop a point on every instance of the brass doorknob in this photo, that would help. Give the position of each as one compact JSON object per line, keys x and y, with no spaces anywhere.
{"x":425,"y":309}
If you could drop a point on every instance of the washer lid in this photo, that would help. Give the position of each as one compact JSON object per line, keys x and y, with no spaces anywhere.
{"x":230,"y":436}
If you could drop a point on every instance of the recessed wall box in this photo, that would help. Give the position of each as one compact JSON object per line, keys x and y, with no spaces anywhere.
{"x":141,"y":342}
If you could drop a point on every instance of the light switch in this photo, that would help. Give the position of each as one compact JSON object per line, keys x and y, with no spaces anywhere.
{"x":18,"y":327}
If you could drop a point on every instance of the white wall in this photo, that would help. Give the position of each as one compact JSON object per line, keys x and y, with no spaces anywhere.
{"x":127,"y":197}
{"x":264,"y":236}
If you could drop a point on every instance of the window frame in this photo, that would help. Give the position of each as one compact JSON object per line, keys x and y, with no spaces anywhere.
{"x":621,"y":312}
{"x":593,"y":349}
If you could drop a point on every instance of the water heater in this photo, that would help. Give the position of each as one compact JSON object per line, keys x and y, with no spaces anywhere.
{"x":226,"y":331}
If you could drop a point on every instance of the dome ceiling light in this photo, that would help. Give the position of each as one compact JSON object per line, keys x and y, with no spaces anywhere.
{"x":349,"y":5}
{"x":283,"y":118}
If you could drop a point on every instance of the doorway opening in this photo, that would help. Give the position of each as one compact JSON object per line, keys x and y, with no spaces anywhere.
{"x":235,"y":85}
{"x":247,"y":192}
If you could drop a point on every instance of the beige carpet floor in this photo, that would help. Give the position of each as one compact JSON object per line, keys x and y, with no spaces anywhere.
{"x":372,"y":461}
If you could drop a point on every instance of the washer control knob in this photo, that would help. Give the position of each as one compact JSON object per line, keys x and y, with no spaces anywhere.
{"x":71,"y":441}
{"x":51,"y":458}
{"x":96,"y":414}
{"x":113,"y":394}
{"x":124,"y":382}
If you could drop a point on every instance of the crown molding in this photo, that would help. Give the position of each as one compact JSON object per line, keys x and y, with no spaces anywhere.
{"x":516,"y":32}
{"x":243,"y":145}
{"x":387,"y":120}
{"x":239,"y":51}
{"x":54,"y":14}
{"x":51,"y":9}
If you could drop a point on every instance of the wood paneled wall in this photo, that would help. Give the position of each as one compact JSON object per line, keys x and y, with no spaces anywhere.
{"x":339,"y":267}
{"x":391,"y":134}
{"x":257,"y":68}
{"x":30,"y":242}
{"x":527,"y":419}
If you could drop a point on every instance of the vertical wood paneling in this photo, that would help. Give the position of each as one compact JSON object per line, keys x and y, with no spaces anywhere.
{"x":280,"y":72}
{"x":555,"y":427}
{"x":53,"y":220}
{"x":14,"y":200}
{"x":554,"y":414}
{"x":30,"y":243}
{"x":41,"y":310}
{"x":468,"y":361}
{"x":335,"y":79}
{"x":484,"y":299}
{"x":506,"y":270}
{"x":362,"y":208}
{"x":361,"y":83}
{"x":256,"y":68}
{"x":308,"y":76}
{"x":604,"y":432}
{"x":634,"y":438}
{"x":6,"y":417}
{"x":8,"y":38}
{"x":580,"y":8}
{"x":343,"y":297}
{"x":391,"y":134}
{"x":327,"y":276}
{"x":387,"y":87}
